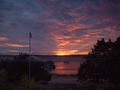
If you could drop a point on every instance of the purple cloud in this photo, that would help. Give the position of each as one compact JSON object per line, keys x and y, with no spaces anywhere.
{"x":106,"y":12}
{"x":13,"y":24}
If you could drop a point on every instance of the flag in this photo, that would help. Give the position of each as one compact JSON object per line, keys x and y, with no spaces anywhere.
{"x":30,"y":35}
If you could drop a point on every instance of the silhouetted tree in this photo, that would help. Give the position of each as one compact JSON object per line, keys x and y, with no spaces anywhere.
{"x":103,"y":62}
{"x":19,"y":66}
{"x":22,"y":56}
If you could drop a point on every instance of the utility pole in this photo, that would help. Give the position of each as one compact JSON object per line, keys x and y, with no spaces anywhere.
{"x":29,"y":51}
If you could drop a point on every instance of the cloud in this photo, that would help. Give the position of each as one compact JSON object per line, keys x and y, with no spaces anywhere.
{"x":3,"y":38}
{"x":53,"y":0}
{"x":106,"y":12}
{"x":6,"y":5}
{"x":13,"y":24}
{"x":57,"y":26}
{"x":12,"y":50}
{"x":13,"y":45}
{"x":1,"y":20}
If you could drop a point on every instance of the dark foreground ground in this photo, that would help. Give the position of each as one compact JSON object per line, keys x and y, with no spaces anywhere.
{"x":70,"y":83}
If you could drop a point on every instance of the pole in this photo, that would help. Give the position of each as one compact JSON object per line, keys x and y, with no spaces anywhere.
{"x":29,"y":52}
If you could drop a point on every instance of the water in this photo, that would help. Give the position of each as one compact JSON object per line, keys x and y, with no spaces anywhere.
{"x":4,"y":57}
{"x":65,"y":68}
{"x":61,"y":68}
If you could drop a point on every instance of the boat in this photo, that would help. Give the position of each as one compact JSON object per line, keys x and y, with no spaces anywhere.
{"x":66,"y":61}
{"x":47,"y":67}
{"x":33,"y":58}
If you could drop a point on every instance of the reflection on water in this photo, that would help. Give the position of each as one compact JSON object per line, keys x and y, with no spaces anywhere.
{"x":59,"y":65}
{"x":62,"y":68}
{"x":62,"y":72}
{"x":70,"y":68}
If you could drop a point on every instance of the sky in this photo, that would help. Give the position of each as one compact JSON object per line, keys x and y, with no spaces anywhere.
{"x":58,"y":27}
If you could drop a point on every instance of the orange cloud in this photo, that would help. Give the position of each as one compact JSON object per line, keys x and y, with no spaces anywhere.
{"x":62,"y":44}
{"x":1,"y":45}
{"x":12,"y":50}
{"x":3,"y":38}
{"x":94,"y":32}
{"x":16,"y":45}
{"x":72,"y":27}
{"x":58,"y":36}
{"x":83,"y":53}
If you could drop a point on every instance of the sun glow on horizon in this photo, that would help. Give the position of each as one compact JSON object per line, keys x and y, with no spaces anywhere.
{"x":72,"y":52}
{"x":61,"y":53}
{"x":67,"y":52}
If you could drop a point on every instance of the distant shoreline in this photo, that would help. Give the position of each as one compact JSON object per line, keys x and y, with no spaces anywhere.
{"x":48,"y":55}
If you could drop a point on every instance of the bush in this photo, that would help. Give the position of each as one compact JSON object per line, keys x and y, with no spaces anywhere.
{"x":26,"y":83}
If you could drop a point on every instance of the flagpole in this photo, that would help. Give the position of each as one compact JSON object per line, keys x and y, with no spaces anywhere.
{"x":29,"y":51}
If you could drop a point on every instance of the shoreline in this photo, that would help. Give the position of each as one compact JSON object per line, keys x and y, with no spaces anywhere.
{"x":61,"y":82}
{"x":61,"y":79}
{"x":65,"y":75}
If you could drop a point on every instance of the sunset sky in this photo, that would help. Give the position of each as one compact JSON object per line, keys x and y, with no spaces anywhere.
{"x":58,"y":27}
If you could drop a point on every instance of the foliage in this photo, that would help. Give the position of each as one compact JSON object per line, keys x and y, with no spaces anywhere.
{"x":103,"y":62}
{"x":4,"y":85}
{"x":39,"y":73}
{"x":3,"y":76}
{"x":18,"y":67}
{"x":22,"y":56}
{"x":26,"y":83}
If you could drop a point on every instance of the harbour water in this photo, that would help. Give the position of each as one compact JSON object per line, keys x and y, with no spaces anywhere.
{"x":61,"y":68}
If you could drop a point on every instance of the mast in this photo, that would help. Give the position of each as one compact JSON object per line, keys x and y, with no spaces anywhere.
{"x":29,"y":51}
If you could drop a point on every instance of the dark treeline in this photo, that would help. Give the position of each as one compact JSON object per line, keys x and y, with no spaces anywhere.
{"x":20,"y":66}
{"x":44,"y":55}
{"x":102,"y":63}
